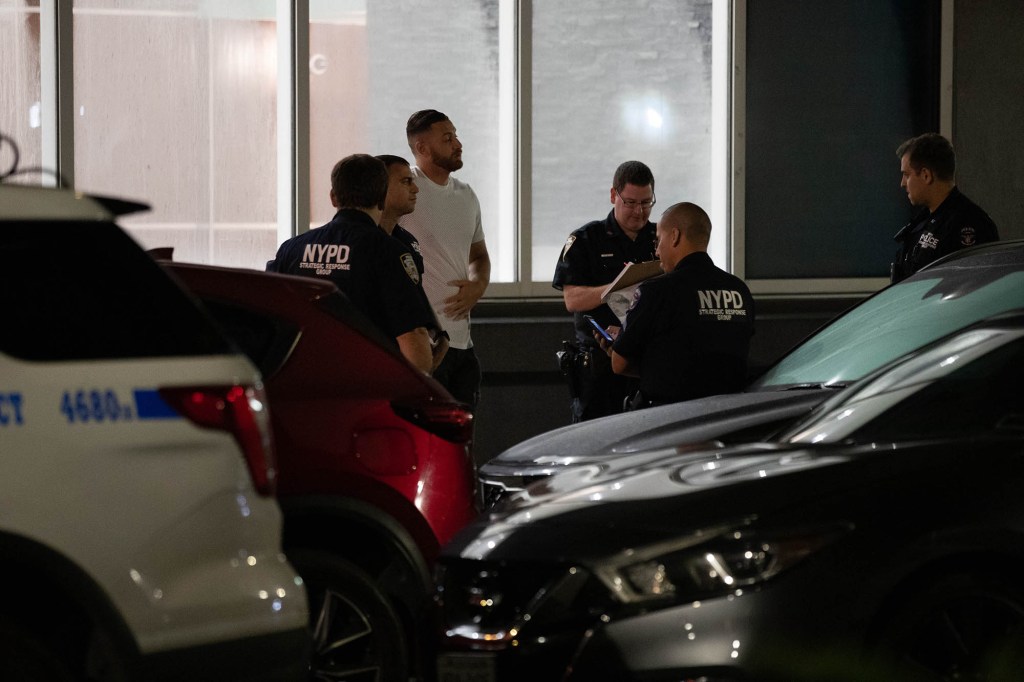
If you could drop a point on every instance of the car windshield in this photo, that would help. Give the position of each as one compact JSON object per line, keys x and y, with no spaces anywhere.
{"x":897,"y":320}
{"x":969,"y":383}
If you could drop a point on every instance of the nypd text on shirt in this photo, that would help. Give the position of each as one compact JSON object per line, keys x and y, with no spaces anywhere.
{"x":10,"y":409}
{"x":722,"y":303}
{"x":324,"y":258}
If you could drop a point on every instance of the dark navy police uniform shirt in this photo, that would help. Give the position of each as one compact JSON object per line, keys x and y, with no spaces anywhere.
{"x":594,"y":255}
{"x":376,"y":273}
{"x":688,"y":331}
{"x":412,"y":247}
{"x":956,"y":224}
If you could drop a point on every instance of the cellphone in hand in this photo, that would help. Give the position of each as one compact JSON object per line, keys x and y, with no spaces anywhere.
{"x":600,"y":330}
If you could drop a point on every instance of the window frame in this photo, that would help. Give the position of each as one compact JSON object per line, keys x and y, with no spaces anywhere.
{"x":737,"y":227}
{"x":728,"y":118}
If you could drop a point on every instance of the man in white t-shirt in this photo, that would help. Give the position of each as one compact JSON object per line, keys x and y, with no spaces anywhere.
{"x":447,"y":224}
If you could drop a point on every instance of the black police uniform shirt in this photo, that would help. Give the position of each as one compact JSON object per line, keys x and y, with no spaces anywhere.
{"x":411,"y":244}
{"x":594,"y":255}
{"x":412,"y":247}
{"x":376,"y":273}
{"x":688,"y":331}
{"x":956,"y":224}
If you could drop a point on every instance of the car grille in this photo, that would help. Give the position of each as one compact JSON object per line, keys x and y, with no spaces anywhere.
{"x":489,"y":604}
{"x":494,"y":490}
{"x":491,"y":493}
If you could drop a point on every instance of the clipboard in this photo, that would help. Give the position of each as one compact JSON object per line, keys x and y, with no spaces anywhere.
{"x":632,"y":274}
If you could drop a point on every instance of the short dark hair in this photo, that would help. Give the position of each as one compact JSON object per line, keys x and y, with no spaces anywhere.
{"x":392,"y":160}
{"x":421,"y":121}
{"x":632,"y":173}
{"x":931,"y":151}
{"x":359,"y":181}
{"x":692,"y":221}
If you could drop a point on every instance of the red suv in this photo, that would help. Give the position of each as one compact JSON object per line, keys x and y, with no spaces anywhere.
{"x":375,"y":470}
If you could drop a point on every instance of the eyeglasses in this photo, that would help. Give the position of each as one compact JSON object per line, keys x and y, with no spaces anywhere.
{"x":633,"y":204}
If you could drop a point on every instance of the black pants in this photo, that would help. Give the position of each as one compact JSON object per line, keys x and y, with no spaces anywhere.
{"x":459,"y":372}
{"x":595,"y":390}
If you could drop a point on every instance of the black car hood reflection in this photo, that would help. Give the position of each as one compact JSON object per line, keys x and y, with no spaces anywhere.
{"x":665,"y":473}
{"x":580,"y":505}
{"x":694,"y":421}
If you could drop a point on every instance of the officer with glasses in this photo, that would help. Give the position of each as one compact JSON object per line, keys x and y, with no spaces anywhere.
{"x":592,"y":257}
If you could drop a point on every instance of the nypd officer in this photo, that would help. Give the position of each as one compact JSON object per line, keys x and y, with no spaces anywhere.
{"x":591,"y":258}
{"x":371,"y":268}
{"x":948,"y":220}
{"x":687,"y":333}
{"x":401,"y":201}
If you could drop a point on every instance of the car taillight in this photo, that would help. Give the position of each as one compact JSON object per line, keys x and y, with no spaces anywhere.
{"x":451,"y":421}
{"x":239,"y":410}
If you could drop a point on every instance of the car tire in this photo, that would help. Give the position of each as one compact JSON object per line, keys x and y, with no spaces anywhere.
{"x":960,"y":626}
{"x":356,"y":632}
{"x":27,"y":657}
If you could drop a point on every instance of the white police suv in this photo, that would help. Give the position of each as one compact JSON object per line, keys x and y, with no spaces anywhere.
{"x":139,"y":539}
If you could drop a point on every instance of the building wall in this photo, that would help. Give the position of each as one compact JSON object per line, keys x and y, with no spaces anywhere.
{"x":988,"y":109}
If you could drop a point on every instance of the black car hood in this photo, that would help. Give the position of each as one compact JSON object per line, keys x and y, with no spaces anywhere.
{"x":639,"y":497}
{"x":936,"y":492}
{"x":665,"y":473}
{"x":670,"y":426}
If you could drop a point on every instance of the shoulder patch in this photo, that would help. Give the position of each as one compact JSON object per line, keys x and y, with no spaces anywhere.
{"x":568,"y":245}
{"x":410,"y":267}
{"x":968,"y":237}
{"x":636,"y":298}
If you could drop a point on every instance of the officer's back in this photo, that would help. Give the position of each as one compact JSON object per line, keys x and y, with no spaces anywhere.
{"x":687,"y":333}
{"x":367,"y":265}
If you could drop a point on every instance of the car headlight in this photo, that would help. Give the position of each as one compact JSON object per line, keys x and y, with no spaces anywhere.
{"x":705,"y":565}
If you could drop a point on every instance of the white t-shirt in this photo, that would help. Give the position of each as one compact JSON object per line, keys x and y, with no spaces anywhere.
{"x":446,"y":222}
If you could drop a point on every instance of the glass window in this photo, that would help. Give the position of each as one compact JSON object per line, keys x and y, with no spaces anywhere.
{"x":372,"y":64}
{"x":832,"y":89}
{"x":176,"y":104}
{"x":20,"y":115}
{"x":619,"y":81}
{"x":180,"y":112}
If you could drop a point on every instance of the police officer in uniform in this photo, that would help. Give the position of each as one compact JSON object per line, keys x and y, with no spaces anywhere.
{"x":591,"y":258}
{"x":687,"y":332}
{"x":948,"y":220}
{"x":401,"y":201}
{"x":376,"y":273}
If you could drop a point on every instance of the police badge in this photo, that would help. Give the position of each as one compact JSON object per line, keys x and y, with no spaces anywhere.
{"x":636,"y":298}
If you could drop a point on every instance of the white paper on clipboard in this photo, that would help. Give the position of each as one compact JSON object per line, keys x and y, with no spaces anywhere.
{"x":619,"y":294}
